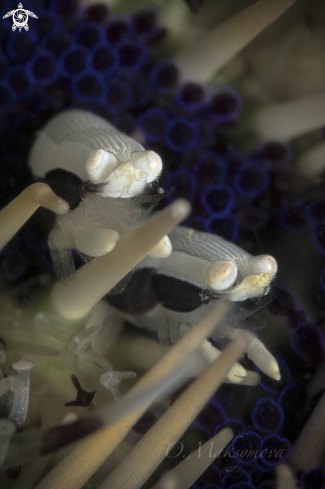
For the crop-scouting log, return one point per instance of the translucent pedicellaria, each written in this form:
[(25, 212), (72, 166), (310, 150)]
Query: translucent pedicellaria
[(21, 386)]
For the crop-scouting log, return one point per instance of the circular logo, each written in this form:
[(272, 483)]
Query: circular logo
[(20, 18)]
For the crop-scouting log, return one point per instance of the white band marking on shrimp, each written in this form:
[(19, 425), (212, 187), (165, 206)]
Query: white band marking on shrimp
[(204, 245), (183, 267)]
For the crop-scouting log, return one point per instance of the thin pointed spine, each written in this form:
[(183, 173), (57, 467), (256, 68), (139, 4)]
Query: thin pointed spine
[(308, 449), (252, 378), (210, 53), (291, 119), (28, 445), (32, 471), (189, 470), (149, 452), (75, 298), (312, 163), (15, 214), (81, 463), (285, 477), (163, 249)]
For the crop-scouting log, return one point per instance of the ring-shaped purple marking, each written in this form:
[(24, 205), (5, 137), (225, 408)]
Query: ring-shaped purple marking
[(132, 56), (104, 58), (89, 34), (186, 188), (19, 80), (273, 154), (164, 76), (294, 218), (225, 105), (251, 179), (91, 93), (7, 95), (119, 29), (218, 199), (117, 95), (190, 96), (42, 69), (152, 124), (74, 61), (226, 227), (181, 134)]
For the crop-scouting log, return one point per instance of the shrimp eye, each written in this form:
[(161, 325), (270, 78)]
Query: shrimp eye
[(66, 185), (100, 164), (221, 274), (263, 264), (148, 162)]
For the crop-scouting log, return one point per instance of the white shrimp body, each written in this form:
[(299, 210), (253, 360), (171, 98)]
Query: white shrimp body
[(93, 149), (210, 262), (182, 288), (167, 295), (99, 171)]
